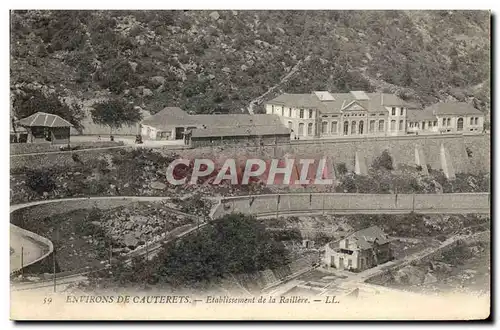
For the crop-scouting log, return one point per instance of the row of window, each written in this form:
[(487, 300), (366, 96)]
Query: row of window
[(355, 127), (401, 111), (430, 124), (474, 120), (355, 115), (301, 132), (301, 112), (400, 127)]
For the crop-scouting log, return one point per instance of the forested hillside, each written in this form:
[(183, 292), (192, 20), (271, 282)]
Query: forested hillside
[(220, 61)]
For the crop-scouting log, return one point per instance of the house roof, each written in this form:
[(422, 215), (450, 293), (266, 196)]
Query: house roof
[(238, 125), (453, 108), (366, 237), (45, 120), (420, 115), (169, 117)]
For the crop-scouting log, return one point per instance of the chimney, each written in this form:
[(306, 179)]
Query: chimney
[(381, 98)]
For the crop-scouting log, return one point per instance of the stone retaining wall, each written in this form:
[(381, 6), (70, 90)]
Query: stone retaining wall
[(267, 205)]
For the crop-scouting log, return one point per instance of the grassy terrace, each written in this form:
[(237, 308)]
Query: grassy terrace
[(29, 148)]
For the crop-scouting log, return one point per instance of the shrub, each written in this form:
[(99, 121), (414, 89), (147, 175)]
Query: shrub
[(341, 168), (41, 181)]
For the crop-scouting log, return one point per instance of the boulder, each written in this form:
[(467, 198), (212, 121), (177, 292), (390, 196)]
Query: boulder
[(157, 80), (158, 185), (147, 92), (429, 278), (410, 275), (130, 241), (138, 219), (133, 66), (214, 15)]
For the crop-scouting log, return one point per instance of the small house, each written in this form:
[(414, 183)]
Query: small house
[(360, 250)]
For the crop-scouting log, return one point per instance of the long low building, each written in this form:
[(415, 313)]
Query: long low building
[(173, 123), (445, 117)]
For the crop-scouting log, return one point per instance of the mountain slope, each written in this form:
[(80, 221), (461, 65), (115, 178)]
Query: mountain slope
[(220, 61)]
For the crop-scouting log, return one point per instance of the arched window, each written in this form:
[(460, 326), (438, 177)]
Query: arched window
[(460, 124), (301, 129), (324, 127), (361, 124), (353, 127), (346, 127), (381, 125), (290, 124), (310, 129)]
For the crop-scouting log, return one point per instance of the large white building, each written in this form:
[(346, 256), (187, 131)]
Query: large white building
[(322, 114)]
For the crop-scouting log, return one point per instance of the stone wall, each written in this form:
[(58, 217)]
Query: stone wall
[(45, 262), (304, 203), (401, 148)]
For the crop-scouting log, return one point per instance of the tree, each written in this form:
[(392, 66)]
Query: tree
[(115, 113), (235, 243), (406, 78), (29, 101), (384, 161)]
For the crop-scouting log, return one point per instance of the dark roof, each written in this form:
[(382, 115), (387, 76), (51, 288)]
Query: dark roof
[(453, 108), (169, 117), (218, 125), (239, 125), (420, 115), (45, 120), (364, 238)]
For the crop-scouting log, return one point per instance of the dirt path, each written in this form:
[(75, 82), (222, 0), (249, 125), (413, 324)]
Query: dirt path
[(260, 99)]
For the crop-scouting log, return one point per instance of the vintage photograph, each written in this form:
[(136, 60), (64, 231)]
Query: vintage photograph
[(250, 165)]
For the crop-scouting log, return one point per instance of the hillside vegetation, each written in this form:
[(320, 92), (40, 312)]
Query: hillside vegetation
[(220, 61)]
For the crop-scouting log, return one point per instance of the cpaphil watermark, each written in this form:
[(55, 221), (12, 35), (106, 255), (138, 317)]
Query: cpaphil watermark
[(236, 172)]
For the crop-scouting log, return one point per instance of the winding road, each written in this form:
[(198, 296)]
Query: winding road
[(36, 247)]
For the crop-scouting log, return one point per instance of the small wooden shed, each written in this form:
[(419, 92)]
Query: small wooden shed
[(46, 127)]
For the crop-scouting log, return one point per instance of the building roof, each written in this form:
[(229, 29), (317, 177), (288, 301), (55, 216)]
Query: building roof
[(217, 125), (334, 103), (240, 131), (239, 125), (420, 115), (45, 120), (298, 100), (453, 108), (365, 238), (324, 95), (169, 117)]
